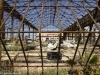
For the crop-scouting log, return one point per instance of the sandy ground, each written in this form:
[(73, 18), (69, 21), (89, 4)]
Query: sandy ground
[(34, 58)]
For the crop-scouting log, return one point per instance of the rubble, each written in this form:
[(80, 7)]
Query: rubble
[(69, 44)]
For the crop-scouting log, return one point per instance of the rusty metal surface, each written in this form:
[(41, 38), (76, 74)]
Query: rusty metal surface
[(1, 37), (21, 24), (40, 36)]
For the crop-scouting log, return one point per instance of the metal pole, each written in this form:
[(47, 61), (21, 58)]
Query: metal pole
[(23, 31), (21, 24), (33, 35), (72, 36), (29, 30), (1, 18), (64, 36), (12, 29)]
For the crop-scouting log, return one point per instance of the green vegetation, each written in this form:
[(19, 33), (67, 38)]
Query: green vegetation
[(17, 48), (46, 72), (92, 68), (89, 69)]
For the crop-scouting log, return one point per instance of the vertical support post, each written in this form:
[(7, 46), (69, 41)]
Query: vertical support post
[(12, 29), (68, 36), (90, 36), (23, 31), (1, 19), (64, 36), (29, 33), (7, 32), (72, 36), (94, 39), (2, 29), (33, 34), (84, 37), (1, 34)]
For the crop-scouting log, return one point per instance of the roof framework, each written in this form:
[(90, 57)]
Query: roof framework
[(50, 16)]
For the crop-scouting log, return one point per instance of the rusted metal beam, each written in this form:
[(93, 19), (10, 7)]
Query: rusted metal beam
[(60, 34), (23, 31), (12, 28), (1, 18), (29, 30), (40, 36), (39, 6), (64, 65), (64, 36), (50, 32), (1, 25), (80, 29), (21, 24)]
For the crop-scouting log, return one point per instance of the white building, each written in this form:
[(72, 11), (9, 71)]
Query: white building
[(48, 36)]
